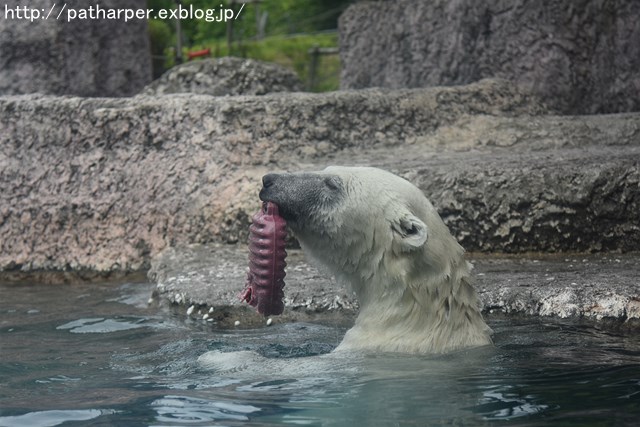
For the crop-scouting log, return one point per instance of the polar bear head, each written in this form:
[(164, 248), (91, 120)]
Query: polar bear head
[(380, 235)]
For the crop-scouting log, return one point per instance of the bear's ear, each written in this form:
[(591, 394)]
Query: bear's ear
[(409, 231)]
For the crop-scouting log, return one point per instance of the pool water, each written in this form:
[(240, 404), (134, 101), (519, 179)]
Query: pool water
[(98, 355)]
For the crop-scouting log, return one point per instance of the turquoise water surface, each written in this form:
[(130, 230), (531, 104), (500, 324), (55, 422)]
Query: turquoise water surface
[(97, 355)]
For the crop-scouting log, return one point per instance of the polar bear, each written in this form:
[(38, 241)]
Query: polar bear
[(380, 235)]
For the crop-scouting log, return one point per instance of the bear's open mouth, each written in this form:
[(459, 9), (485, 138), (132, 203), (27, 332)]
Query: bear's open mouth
[(285, 213)]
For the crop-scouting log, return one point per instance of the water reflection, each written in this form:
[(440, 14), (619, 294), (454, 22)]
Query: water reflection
[(100, 325), (51, 418), (189, 409)]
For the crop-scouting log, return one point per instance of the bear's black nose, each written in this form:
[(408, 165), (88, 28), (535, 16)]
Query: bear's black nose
[(269, 179)]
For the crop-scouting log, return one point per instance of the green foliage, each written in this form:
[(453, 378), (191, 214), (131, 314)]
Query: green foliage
[(298, 16), (292, 52), (160, 35), (161, 38), (282, 19)]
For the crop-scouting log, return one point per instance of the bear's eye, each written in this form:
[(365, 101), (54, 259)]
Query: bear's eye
[(332, 183)]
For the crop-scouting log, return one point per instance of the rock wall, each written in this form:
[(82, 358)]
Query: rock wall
[(90, 57), (579, 56), (106, 184)]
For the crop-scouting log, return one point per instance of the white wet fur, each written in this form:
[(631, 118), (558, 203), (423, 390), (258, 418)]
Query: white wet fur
[(387, 242)]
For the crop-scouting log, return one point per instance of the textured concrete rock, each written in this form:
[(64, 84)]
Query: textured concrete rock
[(546, 183), (85, 57), (210, 278), (106, 184), (225, 76), (550, 201), (551, 183), (598, 287), (213, 276), (580, 57)]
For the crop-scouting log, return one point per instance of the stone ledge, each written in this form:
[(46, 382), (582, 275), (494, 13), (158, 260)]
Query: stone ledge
[(598, 287)]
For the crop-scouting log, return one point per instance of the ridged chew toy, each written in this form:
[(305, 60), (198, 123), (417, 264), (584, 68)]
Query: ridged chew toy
[(265, 279)]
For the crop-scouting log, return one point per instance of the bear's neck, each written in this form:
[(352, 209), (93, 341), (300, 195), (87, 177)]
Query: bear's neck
[(434, 310), (419, 302)]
